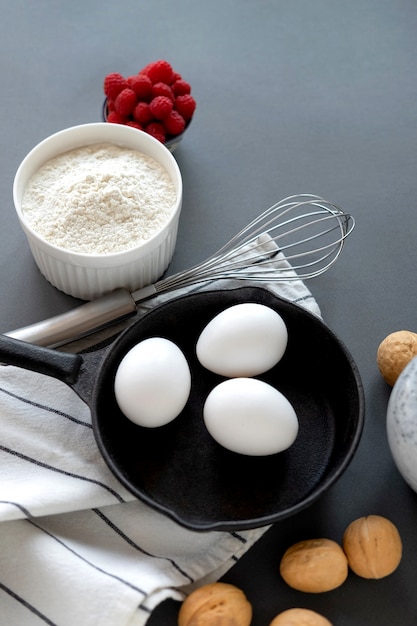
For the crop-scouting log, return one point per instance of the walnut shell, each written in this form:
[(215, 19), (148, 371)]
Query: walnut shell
[(314, 565), (216, 603), (300, 617), (373, 546), (394, 353)]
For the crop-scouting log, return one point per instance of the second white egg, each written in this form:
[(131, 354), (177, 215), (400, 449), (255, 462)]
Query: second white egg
[(243, 340)]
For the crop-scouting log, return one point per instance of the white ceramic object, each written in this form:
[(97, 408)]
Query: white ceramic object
[(88, 276), (402, 423)]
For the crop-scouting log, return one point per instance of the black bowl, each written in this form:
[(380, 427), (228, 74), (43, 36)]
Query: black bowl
[(182, 472)]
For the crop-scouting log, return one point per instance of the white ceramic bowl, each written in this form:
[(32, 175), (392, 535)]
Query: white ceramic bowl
[(88, 276), (402, 423)]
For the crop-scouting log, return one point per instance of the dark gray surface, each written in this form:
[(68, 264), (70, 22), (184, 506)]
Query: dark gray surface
[(293, 96)]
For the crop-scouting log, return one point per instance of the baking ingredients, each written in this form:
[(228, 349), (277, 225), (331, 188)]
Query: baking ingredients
[(300, 617), (394, 353), (373, 546), (152, 382), (249, 416), (99, 199), (314, 565), (243, 340), (216, 603), (157, 100)]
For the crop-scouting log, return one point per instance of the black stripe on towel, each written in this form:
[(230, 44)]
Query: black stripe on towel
[(238, 536), (24, 457), (26, 604), (145, 609), (86, 561), (303, 298), (25, 511), (44, 407), (137, 547)]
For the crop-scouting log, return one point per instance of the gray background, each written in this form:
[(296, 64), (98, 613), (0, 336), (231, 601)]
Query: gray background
[(294, 96)]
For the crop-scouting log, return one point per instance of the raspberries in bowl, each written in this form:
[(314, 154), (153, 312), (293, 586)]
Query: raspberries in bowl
[(156, 100)]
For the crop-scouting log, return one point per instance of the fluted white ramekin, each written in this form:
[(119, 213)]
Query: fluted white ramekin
[(89, 276)]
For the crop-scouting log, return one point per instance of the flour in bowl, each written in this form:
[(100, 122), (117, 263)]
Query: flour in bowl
[(99, 199)]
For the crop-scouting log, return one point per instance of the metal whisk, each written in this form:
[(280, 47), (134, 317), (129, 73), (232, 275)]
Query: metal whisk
[(298, 238), (308, 230)]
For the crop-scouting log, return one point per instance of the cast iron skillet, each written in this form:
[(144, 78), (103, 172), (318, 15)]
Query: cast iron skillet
[(178, 469)]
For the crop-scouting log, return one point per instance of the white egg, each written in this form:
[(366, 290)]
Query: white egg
[(249, 416), (243, 340), (153, 382)]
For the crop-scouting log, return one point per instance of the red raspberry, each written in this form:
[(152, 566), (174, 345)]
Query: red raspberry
[(113, 84), (142, 113), (141, 85), (181, 87), (162, 89), (134, 125), (115, 118), (125, 102), (145, 69), (157, 130), (161, 107), (156, 100), (159, 72), (185, 105), (174, 123)]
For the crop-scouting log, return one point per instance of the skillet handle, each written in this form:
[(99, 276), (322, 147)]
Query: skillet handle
[(63, 366)]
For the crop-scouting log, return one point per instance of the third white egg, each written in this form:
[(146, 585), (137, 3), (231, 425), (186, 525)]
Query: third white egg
[(249, 416), (243, 340)]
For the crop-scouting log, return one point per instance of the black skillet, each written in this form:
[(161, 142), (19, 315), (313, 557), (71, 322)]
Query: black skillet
[(179, 469)]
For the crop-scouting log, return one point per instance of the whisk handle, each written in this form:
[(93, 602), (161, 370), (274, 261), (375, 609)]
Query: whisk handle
[(78, 322)]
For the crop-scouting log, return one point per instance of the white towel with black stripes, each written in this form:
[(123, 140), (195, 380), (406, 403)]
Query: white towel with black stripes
[(76, 548)]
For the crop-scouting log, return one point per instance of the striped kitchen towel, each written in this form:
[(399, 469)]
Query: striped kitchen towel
[(75, 547)]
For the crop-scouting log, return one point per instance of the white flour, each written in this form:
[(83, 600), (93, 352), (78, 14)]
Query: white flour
[(99, 199)]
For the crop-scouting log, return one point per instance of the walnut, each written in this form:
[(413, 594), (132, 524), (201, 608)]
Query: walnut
[(300, 617), (314, 565), (216, 603), (373, 546), (394, 353)]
